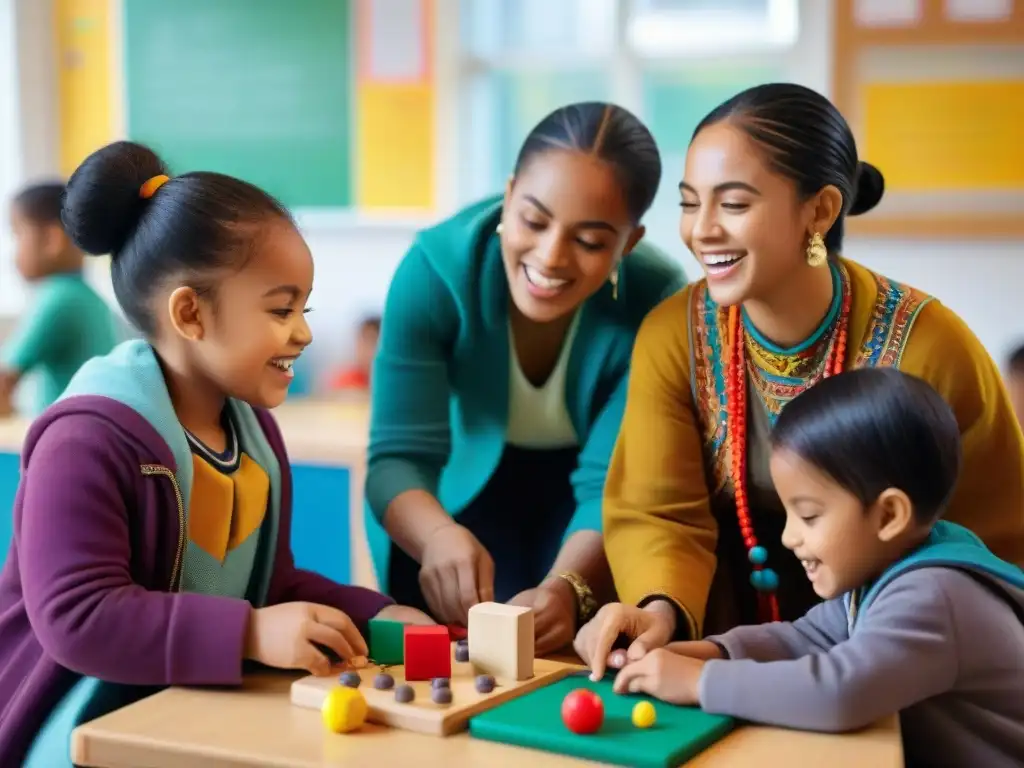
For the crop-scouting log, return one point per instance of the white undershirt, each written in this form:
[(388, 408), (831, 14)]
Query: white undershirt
[(538, 416)]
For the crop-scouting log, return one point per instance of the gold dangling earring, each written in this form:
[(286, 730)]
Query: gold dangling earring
[(817, 253), (613, 278)]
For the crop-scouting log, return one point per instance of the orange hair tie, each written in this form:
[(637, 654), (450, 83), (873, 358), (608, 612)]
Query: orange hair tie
[(149, 188)]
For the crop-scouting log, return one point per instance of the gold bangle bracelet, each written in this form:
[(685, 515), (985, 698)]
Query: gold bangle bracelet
[(586, 604)]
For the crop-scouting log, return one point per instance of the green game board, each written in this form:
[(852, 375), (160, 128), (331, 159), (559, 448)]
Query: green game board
[(535, 720)]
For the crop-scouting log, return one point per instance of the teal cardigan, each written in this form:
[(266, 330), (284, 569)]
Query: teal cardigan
[(440, 380)]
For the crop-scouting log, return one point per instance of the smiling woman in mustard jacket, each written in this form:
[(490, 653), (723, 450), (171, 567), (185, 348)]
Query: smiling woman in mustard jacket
[(500, 379)]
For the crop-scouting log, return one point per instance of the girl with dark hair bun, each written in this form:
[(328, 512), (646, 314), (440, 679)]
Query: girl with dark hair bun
[(500, 378), (152, 523), (692, 519)]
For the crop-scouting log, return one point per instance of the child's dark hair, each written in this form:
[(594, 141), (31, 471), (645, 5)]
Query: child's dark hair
[(807, 140), (370, 323), (41, 203), (191, 227), (1016, 360), (876, 428), (610, 133)]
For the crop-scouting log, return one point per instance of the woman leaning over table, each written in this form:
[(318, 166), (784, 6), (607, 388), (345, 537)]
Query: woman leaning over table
[(500, 378), (692, 522)]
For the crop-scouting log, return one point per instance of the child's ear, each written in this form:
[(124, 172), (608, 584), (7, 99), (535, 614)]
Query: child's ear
[(185, 309), (894, 514)]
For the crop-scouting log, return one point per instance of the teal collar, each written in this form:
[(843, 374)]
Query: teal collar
[(819, 332), (131, 374)]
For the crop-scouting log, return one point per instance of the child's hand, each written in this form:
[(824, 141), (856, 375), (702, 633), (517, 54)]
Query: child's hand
[(286, 636), (696, 649), (405, 615), (664, 675)]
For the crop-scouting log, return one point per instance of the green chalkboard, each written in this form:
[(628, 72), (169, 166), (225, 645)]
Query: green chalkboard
[(259, 89)]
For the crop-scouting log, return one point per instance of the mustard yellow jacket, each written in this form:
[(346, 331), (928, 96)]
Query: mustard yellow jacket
[(660, 532)]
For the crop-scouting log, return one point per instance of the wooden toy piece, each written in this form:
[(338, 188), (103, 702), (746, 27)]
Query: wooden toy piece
[(405, 694), (457, 632), (484, 683), (644, 715), (387, 640), (350, 679), (441, 695), (582, 711), (344, 709), (533, 720), (428, 652), (411, 706), (501, 640)]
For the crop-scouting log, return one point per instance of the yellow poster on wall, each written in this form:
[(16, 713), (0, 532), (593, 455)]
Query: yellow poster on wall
[(84, 78), (946, 136), (395, 100)]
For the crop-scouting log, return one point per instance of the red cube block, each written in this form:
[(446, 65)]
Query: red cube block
[(428, 652)]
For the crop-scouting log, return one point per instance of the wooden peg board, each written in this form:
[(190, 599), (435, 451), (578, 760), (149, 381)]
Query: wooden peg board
[(422, 715), (933, 99)]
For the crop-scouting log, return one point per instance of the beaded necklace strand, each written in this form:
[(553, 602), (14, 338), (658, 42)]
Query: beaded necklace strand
[(763, 579)]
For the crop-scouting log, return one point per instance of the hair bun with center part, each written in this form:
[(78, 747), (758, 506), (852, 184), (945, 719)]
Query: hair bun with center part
[(103, 204)]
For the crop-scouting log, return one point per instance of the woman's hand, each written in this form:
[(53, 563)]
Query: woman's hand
[(664, 675), (649, 627), (456, 573), (404, 614), (554, 614)]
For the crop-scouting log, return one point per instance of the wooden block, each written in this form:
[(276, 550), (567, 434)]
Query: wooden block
[(428, 652), (387, 641), (423, 715), (501, 640)]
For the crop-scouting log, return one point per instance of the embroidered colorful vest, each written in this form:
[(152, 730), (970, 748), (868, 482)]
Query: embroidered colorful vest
[(896, 308)]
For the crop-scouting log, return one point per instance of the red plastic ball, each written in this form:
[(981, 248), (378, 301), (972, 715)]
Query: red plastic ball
[(582, 711)]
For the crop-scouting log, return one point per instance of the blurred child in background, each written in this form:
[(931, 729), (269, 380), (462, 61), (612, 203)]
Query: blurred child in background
[(66, 322), (357, 375)]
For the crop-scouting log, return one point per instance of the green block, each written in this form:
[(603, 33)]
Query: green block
[(387, 642)]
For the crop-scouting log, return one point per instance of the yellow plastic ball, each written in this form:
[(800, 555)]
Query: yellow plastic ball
[(644, 714), (344, 709)]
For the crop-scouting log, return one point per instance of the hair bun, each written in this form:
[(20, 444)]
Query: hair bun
[(870, 188), (102, 205)]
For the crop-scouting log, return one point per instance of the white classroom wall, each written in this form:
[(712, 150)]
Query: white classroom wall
[(356, 257)]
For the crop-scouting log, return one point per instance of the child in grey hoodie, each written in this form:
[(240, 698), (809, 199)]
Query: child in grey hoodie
[(919, 617)]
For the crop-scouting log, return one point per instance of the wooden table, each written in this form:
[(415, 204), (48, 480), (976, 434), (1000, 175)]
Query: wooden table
[(258, 726)]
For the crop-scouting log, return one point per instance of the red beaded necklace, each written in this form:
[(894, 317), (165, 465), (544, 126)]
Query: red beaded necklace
[(764, 579)]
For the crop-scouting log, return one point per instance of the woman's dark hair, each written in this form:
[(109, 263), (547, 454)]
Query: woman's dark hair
[(188, 229), (606, 131), (41, 203), (807, 140), (876, 428)]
